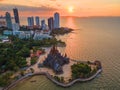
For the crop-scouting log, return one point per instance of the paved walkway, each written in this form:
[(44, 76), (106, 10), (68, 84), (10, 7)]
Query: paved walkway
[(53, 80), (39, 72), (72, 82)]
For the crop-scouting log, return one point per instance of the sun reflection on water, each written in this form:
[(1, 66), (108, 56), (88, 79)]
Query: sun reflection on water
[(70, 22)]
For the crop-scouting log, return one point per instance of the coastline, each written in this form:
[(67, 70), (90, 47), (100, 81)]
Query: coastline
[(48, 73), (49, 76), (53, 80)]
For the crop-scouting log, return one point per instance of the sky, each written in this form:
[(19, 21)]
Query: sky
[(80, 8)]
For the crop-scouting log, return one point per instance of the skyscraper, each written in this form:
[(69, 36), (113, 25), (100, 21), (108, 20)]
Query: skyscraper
[(56, 20), (37, 20), (30, 21), (16, 15), (43, 25), (51, 23), (15, 26), (8, 20)]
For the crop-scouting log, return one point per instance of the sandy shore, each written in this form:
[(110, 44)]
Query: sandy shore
[(66, 68), (67, 71)]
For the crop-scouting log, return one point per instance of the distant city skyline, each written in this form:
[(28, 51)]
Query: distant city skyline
[(77, 8)]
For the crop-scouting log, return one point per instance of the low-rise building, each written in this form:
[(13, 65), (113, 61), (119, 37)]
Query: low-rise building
[(7, 32), (16, 32), (25, 35), (4, 39), (39, 35)]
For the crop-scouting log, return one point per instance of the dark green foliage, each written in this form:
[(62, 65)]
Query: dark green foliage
[(59, 79), (5, 79), (24, 52), (61, 31), (62, 79), (22, 73), (80, 70), (33, 60), (13, 55), (32, 70)]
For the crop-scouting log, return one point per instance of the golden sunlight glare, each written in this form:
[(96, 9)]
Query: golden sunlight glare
[(70, 9)]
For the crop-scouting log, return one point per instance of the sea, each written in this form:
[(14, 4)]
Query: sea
[(93, 38)]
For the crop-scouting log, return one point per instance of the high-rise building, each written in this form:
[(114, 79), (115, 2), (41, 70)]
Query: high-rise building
[(51, 23), (37, 20), (56, 20), (15, 26), (8, 20), (30, 21), (43, 25), (16, 15)]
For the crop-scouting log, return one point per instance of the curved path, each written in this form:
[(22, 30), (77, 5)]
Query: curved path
[(38, 72), (72, 82), (53, 80)]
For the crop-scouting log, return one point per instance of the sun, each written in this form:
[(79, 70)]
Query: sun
[(70, 9)]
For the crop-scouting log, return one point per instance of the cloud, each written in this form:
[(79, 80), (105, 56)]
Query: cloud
[(7, 7)]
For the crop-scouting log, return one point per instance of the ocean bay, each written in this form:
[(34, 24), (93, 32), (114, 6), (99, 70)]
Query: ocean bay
[(93, 39)]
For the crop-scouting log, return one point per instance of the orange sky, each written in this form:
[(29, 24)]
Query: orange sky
[(81, 8)]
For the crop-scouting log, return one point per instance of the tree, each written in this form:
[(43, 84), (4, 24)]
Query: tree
[(32, 70), (80, 70), (24, 52), (5, 79), (22, 73), (62, 79)]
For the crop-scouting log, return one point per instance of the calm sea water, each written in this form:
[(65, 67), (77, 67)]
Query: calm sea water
[(92, 39)]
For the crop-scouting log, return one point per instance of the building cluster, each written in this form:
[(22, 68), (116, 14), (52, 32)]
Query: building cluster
[(53, 22), (36, 28), (55, 60), (14, 26)]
